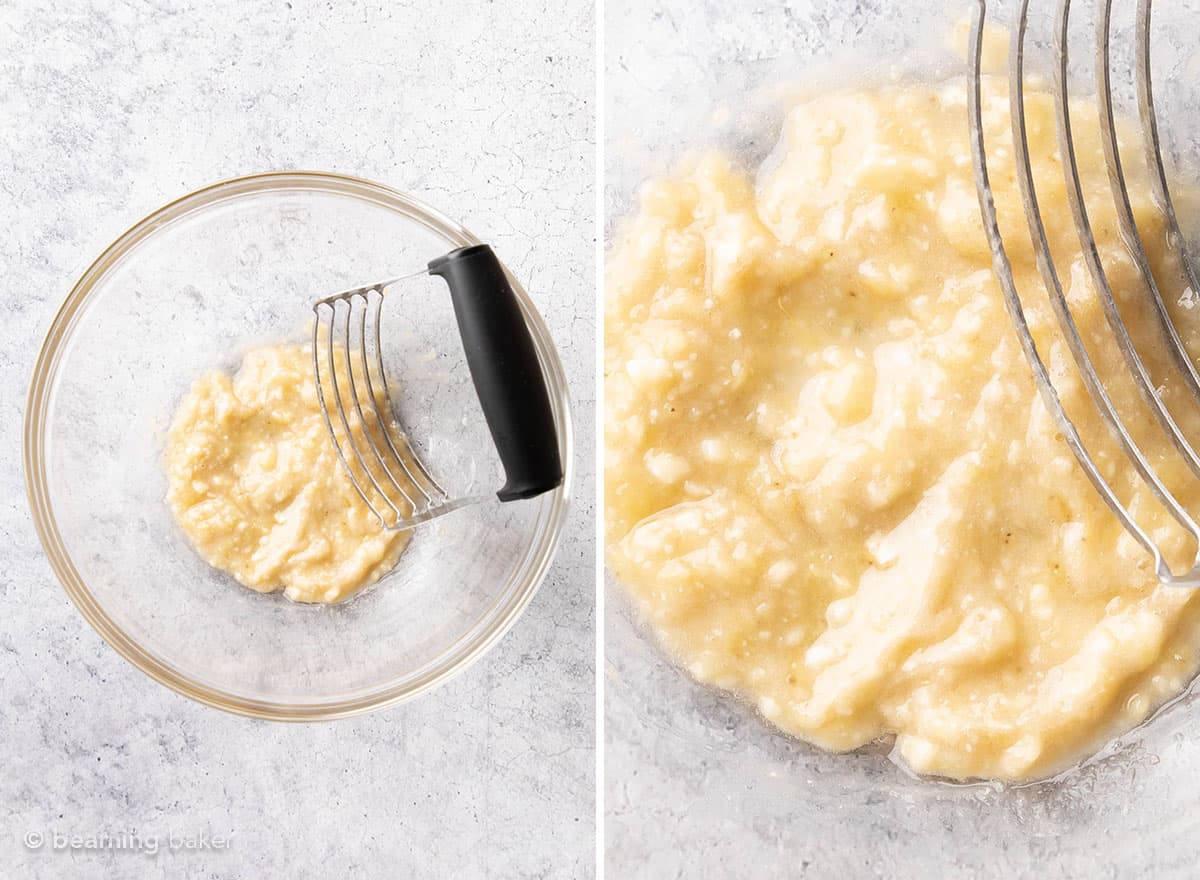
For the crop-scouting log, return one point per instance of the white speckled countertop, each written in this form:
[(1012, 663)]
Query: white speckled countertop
[(110, 109), (690, 766)]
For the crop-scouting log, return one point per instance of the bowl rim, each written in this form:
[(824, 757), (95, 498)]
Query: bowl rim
[(487, 630)]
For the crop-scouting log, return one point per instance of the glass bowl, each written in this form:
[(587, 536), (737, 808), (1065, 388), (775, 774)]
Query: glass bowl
[(190, 288)]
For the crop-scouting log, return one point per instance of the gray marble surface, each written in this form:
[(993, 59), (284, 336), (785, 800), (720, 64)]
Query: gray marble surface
[(696, 784), (109, 109)]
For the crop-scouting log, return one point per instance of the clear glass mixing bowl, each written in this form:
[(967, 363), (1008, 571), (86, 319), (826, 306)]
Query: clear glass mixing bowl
[(190, 288), (699, 767)]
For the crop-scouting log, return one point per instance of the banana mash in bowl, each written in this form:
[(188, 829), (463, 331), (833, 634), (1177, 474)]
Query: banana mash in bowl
[(831, 486), (255, 483), (175, 450)]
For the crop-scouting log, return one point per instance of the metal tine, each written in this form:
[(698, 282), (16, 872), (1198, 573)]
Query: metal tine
[(341, 410), (1129, 231), (1153, 145), (431, 497), (362, 421), (332, 377), (418, 506), (1045, 261), (1091, 253), (431, 487), (1012, 301)]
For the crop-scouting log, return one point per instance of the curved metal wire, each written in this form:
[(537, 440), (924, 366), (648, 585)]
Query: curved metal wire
[(424, 481), (1153, 145), (1003, 271), (1129, 231), (396, 488), (320, 385), (1087, 239)]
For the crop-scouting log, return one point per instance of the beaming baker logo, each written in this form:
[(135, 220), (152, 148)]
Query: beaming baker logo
[(126, 841)]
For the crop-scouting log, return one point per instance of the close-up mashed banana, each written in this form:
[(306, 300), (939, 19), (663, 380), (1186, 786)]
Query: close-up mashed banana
[(831, 484)]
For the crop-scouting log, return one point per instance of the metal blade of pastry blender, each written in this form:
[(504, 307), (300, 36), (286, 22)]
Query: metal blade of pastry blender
[(1143, 465), (368, 434)]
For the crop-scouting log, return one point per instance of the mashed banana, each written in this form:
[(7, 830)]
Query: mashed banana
[(831, 485), (256, 485)]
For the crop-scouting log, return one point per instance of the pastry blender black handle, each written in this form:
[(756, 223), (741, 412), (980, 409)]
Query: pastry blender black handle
[(505, 369)]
